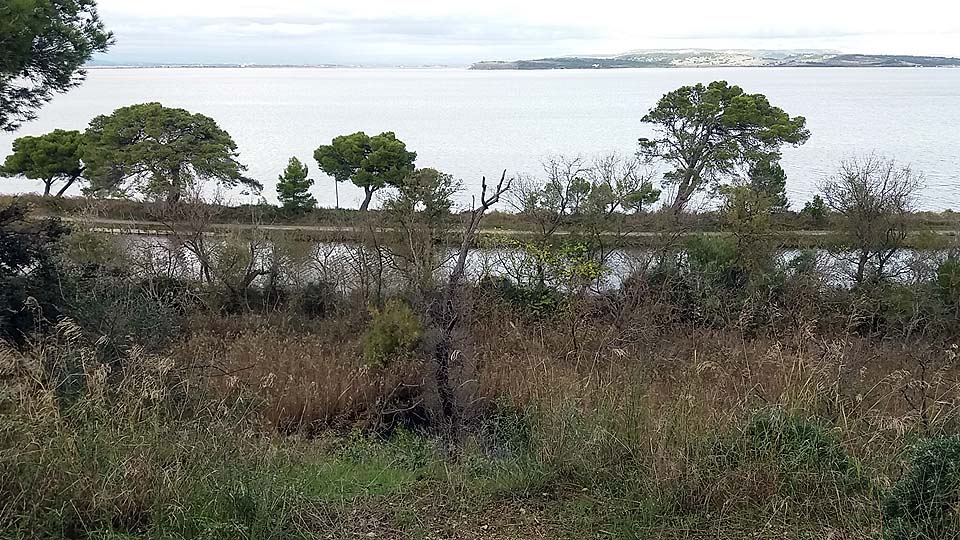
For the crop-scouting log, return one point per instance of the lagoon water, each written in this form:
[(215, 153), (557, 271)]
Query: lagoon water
[(473, 123)]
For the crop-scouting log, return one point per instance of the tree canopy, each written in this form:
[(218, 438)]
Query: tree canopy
[(709, 133), (371, 163), (770, 180), (159, 151), (293, 187), (52, 158), (43, 46)]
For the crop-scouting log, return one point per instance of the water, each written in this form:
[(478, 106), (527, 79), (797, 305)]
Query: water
[(473, 123)]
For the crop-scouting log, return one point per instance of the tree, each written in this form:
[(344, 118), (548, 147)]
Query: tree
[(815, 210), (707, 133), (768, 179), (745, 213), (43, 46), (620, 184), (29, 280), (293, 187), (371, 163), (447, 313), (159, 151), (873, 196), (551, 201), (52, 158), (419, 216)]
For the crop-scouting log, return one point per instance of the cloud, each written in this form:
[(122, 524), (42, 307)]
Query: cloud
[(296, 31)]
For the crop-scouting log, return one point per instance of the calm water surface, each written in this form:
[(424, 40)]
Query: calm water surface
[(473, 123)]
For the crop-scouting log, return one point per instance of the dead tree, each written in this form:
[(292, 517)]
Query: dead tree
[(446, 314)]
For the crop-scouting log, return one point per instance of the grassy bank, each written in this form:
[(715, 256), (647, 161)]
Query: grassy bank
[(263, 428)]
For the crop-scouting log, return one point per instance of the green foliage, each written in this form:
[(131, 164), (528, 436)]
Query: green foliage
[(318, 299), (121, 314), (94, 251), (706, 132), (160, 152), (535, 299), (715, 259), (29, 276), (808, 456), (642, 198), (746, 214), (425, 191), (619, 184), (775, 458), (371, 163), (293, 187), (50, 158), (43, 47), (948, 281), (418, 214), (769, 180), (925, 502), (394, 333), (815, 210)]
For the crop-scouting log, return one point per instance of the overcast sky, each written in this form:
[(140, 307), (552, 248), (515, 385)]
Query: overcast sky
[(414, 32)]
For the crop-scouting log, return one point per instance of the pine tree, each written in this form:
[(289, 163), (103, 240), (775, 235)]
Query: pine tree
[(293, 188)]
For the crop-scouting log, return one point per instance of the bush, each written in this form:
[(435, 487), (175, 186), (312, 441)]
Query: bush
[(29, 276), (538, 300), (395, 332), (924, 504), (776, 458), (122, 314), (807, 455), (318, 299), (948, 280)]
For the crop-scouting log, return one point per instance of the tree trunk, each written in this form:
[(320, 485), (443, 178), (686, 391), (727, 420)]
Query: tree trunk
[(46, 187), (685, 190), (862, 266), (67, 186), (368, 196), (441, 360)]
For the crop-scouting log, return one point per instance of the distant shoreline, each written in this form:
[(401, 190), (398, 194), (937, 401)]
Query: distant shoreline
[(268, 66), (720, 59)]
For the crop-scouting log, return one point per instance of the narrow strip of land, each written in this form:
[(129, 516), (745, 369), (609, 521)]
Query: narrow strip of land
[(790, 238)]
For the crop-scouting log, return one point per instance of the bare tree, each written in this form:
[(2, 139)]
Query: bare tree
[(189, 222), (560, 194), (874, 197), (446, 313)]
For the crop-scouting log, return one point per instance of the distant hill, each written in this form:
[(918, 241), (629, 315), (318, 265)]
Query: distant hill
[(723, 58)]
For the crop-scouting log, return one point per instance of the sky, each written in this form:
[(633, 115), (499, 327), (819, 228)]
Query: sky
[(455, 32)]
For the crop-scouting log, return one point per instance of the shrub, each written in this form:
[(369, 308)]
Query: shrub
[(395, 332), (805, 452), (924, 504), (318, 299), (948, 280), (29, 276), (123, 313), (775, 458), (538, 300), (504, 431)]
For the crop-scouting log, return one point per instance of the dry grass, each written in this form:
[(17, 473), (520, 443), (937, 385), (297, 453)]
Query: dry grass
[(643, 433)]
